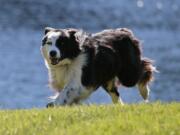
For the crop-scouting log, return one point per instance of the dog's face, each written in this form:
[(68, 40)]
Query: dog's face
[(59, 44)]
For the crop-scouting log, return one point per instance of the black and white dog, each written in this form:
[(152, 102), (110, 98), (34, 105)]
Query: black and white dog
[(79, 63)]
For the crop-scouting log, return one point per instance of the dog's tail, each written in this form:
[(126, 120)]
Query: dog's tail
[(147, 70)]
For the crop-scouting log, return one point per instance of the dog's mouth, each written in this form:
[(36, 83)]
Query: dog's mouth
[(54, 61)]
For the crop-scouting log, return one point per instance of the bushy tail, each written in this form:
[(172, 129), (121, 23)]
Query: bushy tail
[(147, 70)]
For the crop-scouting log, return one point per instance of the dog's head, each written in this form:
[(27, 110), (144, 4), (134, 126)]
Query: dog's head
[(59, 44)]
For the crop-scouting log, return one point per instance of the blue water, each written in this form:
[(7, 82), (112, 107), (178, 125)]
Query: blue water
[(23, 77)]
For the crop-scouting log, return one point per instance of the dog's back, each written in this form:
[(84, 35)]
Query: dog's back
[(128, 54)]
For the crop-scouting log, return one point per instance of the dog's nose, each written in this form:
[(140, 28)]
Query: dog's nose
[(53, 53)]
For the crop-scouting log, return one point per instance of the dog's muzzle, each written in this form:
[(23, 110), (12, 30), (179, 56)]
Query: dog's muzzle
[(54, 61), (53, 57)]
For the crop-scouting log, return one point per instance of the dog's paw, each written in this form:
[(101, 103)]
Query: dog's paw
[(50, 105)]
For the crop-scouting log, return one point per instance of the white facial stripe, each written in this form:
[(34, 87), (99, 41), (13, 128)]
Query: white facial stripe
[(52, 37)]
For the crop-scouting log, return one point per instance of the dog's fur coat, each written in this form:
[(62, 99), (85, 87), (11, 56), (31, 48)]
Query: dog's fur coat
[(79, 63)]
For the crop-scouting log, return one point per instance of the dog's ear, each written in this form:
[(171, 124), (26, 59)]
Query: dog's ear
[(47, 29), (72, 33), (77, 35)]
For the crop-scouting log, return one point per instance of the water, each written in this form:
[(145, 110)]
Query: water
[(23, 78)]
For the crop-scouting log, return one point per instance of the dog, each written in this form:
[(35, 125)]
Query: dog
[(78, 63)]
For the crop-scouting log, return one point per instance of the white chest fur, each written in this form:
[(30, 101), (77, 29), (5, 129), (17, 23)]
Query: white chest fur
[(61, 75), (58, 77)]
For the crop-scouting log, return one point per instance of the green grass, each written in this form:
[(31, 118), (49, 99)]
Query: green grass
[(136, 119)]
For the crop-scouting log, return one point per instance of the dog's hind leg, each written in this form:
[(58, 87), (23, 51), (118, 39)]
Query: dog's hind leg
[(112, 90)]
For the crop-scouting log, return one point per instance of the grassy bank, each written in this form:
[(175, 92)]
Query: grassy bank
[(137, 119)]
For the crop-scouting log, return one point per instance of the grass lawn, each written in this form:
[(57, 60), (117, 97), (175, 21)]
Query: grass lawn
[(135, 119)]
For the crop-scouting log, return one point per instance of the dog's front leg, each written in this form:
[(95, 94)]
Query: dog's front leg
[(72, 93)]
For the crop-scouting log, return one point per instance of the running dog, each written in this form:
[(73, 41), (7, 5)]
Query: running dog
[(78, 63)]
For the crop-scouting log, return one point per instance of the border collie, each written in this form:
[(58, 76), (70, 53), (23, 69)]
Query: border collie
[(78, 63)]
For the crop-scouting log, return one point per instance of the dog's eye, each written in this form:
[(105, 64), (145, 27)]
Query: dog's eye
[(49, 43)]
